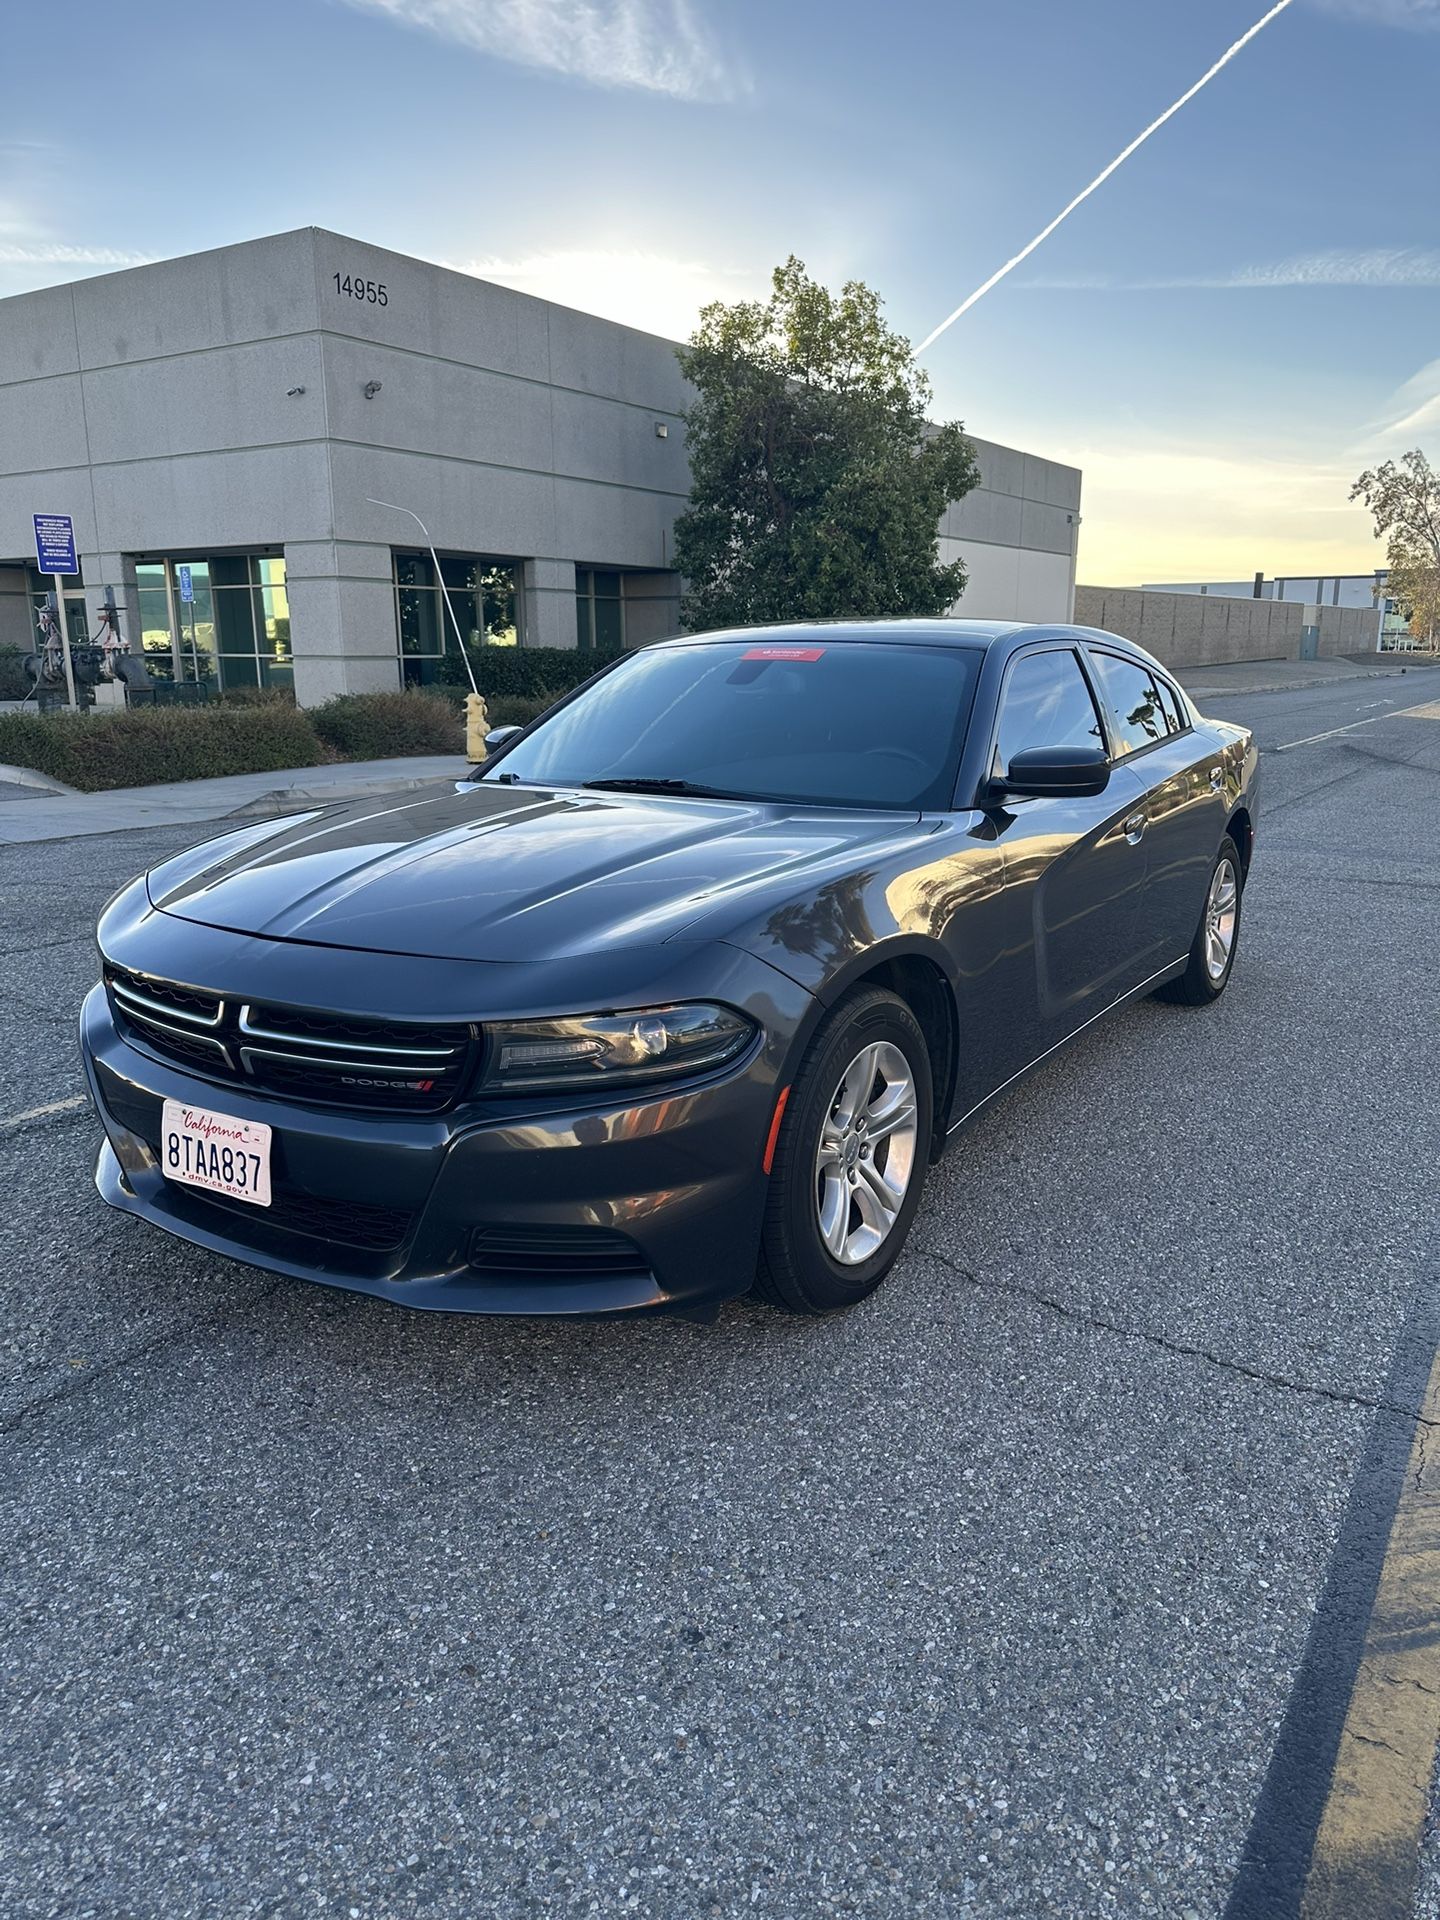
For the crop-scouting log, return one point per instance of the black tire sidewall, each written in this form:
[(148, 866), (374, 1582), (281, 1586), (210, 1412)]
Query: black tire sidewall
[(802, 1270)]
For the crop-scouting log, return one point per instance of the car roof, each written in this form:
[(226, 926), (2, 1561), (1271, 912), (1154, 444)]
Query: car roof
[(942, 631)]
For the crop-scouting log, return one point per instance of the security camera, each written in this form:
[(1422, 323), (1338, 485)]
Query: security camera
[(290, 392), (370, 389)]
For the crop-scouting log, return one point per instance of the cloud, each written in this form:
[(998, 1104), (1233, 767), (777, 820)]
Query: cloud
[(646, 290), (1412, 410), (50, 253), (1420, 15), (657, 46), (1334, 267)]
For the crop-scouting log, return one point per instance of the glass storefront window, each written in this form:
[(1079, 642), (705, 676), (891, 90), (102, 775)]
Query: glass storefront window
[(599, 608), (236, 629), (483, 597)]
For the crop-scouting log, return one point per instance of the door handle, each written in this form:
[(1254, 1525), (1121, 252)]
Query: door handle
[(1134, 827)]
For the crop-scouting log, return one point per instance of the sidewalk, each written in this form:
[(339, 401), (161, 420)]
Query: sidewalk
[(45, 811), (1275, 676)]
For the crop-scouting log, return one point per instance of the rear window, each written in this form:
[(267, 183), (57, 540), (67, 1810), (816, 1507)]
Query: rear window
[(818, 720), (1140, 714)]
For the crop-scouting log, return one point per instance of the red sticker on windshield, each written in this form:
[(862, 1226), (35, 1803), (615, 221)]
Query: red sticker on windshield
[(783, 653)]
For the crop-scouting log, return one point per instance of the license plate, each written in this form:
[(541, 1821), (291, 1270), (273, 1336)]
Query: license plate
[(216, 1151)]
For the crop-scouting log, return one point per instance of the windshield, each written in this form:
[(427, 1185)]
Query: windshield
[(828, 722)]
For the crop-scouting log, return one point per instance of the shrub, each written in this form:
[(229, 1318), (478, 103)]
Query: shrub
[(519, 709), (14, 680), (153, 744), (526, 671), (377, 726)]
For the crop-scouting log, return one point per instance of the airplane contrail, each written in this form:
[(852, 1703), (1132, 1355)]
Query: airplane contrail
[(1100, 178)]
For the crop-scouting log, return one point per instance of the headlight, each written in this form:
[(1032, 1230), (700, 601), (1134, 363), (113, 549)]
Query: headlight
[(605, 1049)]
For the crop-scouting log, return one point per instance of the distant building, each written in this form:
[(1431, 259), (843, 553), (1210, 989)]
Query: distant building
[(1314, 590)]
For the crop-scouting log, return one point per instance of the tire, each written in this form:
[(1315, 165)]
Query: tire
[(798, 1271), (1204, 981)]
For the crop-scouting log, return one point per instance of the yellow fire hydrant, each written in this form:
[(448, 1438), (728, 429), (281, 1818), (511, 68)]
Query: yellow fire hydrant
[(477, 725)]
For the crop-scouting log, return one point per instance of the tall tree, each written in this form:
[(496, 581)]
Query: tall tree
[(817, 481), (1404, 498)]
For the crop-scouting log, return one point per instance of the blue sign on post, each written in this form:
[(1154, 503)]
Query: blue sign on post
[(187, 585), (55, 543)]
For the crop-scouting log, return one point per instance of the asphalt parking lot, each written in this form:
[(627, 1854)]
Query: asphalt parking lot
[(994, 1597)]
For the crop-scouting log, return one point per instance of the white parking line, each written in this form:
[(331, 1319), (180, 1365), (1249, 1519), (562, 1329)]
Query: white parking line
[(1311, 738), (39, 1113)]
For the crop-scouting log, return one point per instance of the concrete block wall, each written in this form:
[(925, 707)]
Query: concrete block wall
[(1212, 629), (1195, 630)]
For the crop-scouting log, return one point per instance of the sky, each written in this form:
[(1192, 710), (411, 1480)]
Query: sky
[(1234, 325)]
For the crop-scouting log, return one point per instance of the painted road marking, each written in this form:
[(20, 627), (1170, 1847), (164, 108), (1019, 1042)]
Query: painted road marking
[(1329, 1839), (39, 1113), (1430, 711), (1367, 1850)]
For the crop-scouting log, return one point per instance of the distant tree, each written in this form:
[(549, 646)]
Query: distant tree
[(1404, 498), (817, 481)]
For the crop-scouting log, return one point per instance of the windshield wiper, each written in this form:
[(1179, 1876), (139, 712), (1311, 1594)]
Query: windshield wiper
[(653, 783)]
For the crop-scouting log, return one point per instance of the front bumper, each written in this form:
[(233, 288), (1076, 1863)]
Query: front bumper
[(677, 1174)]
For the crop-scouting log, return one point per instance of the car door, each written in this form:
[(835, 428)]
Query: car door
[(1074, 867), (1182, 806)]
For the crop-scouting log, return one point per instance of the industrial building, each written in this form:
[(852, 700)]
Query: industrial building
[(221, 428)]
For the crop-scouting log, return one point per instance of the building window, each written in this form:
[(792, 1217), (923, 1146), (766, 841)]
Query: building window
[(235, 629), (483, 598), (599, 609)]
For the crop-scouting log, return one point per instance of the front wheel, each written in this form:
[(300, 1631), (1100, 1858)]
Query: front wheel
[(850, 1159), (1212, 952)]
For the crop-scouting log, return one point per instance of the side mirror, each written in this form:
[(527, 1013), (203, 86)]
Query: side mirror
[(1056, 773), (497, 736)]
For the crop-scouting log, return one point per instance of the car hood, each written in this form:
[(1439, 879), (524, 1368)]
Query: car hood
[(499, 873)]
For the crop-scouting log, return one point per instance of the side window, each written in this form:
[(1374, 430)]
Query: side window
[(1135, 703), (1046, 703), (1175, 715)]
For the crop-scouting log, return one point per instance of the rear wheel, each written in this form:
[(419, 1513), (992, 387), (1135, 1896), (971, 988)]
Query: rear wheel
[(850, 1159), (1212, 952)]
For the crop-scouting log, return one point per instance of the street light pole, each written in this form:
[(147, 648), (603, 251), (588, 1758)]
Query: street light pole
[(459, 637)]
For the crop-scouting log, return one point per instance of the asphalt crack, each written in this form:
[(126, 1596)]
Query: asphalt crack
[(1179, 1348), (83, 1383)]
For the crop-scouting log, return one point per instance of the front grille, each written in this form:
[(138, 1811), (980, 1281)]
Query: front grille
[(545, 1253), (348, 1223), (386, 1065)]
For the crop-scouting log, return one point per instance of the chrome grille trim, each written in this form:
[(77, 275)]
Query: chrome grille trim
[(158, 1031), (143, 1007), (253, 1031)]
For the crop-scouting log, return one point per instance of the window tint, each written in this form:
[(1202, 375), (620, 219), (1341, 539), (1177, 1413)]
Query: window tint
[(812, 718), (1174, 706), (1135, 703), (1046, 703)]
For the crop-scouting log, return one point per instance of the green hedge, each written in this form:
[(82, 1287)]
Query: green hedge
[(525, 671), (375, 726), (148, 745), (14, 681)]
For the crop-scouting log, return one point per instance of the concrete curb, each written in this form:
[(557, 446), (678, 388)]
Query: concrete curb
[(27, 777), (1225, 692)]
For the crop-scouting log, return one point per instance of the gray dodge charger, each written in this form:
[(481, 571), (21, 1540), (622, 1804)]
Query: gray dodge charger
[(679, 995)]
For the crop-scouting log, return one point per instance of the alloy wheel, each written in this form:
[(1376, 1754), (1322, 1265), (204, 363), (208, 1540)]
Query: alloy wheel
[(1221, 909), (866, 1156)]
